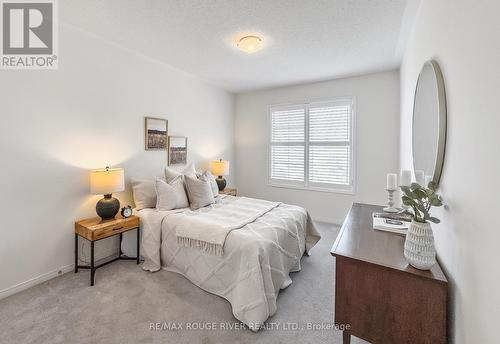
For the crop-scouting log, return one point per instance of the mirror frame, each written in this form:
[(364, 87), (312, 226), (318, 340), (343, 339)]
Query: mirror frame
[(442, 114)]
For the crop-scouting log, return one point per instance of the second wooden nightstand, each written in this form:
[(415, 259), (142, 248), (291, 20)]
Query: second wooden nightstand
[(228, 191), (95, 229)]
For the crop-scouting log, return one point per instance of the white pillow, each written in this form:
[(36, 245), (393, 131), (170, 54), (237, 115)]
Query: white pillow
[(171, 174), (208, 176), (180, 192), (165, 195), (199, 192), (144, 193), (170, 195)]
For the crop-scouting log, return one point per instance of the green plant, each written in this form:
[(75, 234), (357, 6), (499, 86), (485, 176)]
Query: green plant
[(421, 200)]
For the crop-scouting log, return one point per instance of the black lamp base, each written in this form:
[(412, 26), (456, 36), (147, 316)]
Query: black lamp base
[(221, 183), (108, 207)]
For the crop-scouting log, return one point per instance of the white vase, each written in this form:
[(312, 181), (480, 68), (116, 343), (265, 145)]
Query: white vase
[(419, 246)]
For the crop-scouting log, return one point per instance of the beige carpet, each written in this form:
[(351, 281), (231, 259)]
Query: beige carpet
[(117, 310)]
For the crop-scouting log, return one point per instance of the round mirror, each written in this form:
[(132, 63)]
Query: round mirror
[(429, 124)]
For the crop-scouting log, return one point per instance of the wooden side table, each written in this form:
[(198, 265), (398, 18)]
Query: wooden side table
[(95, 229), (228, 191)]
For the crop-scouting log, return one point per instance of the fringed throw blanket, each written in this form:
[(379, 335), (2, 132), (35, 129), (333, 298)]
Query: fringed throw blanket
[(207, 230)]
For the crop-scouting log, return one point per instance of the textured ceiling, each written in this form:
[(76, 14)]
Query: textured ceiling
[(305, 40)]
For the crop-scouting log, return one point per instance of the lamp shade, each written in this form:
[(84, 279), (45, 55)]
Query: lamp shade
[(220, 167), (106, 181)]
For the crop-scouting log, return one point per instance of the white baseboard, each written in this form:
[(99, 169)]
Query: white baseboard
[(327, 220), (34, 281)]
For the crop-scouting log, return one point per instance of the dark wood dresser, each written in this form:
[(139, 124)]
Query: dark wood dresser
[(378, 295)]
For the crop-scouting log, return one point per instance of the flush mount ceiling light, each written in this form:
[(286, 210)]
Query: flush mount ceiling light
[(250, 44)]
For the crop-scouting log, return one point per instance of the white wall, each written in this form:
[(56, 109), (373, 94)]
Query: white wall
[(463, 36), (56, 125), (377, 115)]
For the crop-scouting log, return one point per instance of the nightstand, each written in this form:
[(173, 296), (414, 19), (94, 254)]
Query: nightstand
[(96, 229), (228, 191)]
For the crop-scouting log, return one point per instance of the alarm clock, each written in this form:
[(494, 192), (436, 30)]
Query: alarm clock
[(126, 211)]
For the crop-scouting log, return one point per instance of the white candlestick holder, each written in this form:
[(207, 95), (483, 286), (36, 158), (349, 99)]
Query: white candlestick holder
[(390, 202)]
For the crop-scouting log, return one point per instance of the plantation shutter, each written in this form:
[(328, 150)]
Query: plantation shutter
[(287, 151), (311, 146), (330, 144)]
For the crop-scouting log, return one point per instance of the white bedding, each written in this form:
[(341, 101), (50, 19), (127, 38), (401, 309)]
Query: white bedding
[(207, 230), (255, 265)]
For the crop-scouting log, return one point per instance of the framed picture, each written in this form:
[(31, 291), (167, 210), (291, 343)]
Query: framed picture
[(156, 133), (177, 150)]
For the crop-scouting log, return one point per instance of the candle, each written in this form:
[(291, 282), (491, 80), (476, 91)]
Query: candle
[(419, 177), (392, 181), (405, 179), (428, 179)]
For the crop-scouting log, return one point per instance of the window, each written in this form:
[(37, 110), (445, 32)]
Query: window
[(312, 146)]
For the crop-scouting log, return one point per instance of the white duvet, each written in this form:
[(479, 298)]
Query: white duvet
[(256, 263)]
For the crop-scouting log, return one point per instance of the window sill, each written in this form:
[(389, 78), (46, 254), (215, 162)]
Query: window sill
[(350, 191)]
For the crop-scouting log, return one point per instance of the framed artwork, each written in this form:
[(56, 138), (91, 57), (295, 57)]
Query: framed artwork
[(177, 150), (156, 133)]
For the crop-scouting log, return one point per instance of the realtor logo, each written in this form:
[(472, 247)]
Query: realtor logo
[(29, 34)]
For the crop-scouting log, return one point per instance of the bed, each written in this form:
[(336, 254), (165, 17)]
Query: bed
[(255, 264)]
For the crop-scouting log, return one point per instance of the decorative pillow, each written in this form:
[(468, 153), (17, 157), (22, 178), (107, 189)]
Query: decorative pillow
[(165, 195), (180, 193), (144, 193), (208, 176), (171, 174), (170, 195), (199, 192)]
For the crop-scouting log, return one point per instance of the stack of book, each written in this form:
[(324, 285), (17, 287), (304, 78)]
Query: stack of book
[(392, 222)]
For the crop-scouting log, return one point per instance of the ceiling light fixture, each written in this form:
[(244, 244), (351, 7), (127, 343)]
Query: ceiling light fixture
[(250, 44)]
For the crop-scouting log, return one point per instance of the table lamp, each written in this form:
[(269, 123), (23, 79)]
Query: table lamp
[(220, 168), (105, 182)]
